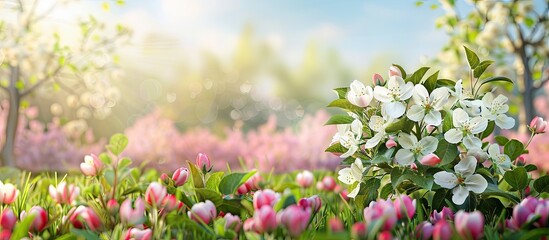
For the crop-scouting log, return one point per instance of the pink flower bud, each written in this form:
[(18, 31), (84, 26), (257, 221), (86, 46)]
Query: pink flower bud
[(155, 193), (91, 165), (8, 193), (305, 179), (265, 197), (314, 203), (203, 212), (382, 210), (180, 176), (335, 225), (344, 195), (444, 214), (132, 215), (521, 215), (358, 230), (8, 219), (391, 143), (5, 234), (413, 166), (430, 160), (40, 220), (232, 222), (329, 183), (405, 207), (84, 216), (385, 235), (265, 219), (64, 194), (253, 183), (538, 125), (394, 71), (430, 128), (138, 234), (113, 206), (203, 162), (378, 80), (542, 210), (171, 203), (424, 230), (165, 178), (242, 189), (442, 231), (470, 225), (249, 225), (295, 219)]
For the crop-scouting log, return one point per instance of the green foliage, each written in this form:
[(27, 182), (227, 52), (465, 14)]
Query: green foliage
[(117, 143), (517, 178), (230, 183)]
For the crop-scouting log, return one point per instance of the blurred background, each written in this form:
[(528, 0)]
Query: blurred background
[(243, 81)]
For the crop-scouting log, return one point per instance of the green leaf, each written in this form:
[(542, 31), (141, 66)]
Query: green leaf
[(181, 196), (197, 175), (517, 178), (496, 79), (541, 184), (417, 75), (285, 201), (446, 151), (341, 92), (493, 190), (534, 234), (117, 143), (472, 58), (21, 229), (445, 83), (204, 194), (398, 125), (501, 140), (529, 22), (368, 192), (214, 180), (105, 158), (230, 183), (336, 148), (383, 156), (233, 206), (386, 191), (481, 68), (124, 162), (85, 234), (340, 119), (513, 149), (425, 182), (447, 122), (431, 82), (531, 167), (344, 104), (438, 199), (402, 71), (489, 129)]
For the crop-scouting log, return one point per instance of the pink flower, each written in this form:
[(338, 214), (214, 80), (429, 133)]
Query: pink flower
[(132, 215), (391, 143), (328, 183), (430, 160), (444, 214), (538, 125), (335, 225), (394, 71), (543, 211), (138, 234), (442, 231), (232, 222), (64, 194), (314, 203), (8, 193), (180, 176), (156, 192), (358, 230), (385, 235), (424, 230), (253, 182), (8, 219), (295, 219), (113, 206), (378, 80), (265, 197), (5, 234), (203, 212), (91, 165), (344, 194), (265, 219), (203, 162), (249, 225), (470, 225), (305, 179), (382, 210), (405, 207), (84, 216), (40, 220), (242, 189)]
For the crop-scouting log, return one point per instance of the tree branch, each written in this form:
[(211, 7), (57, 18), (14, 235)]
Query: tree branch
[(41, 81)]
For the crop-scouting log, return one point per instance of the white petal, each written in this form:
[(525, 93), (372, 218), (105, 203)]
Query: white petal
[(372, 142), (356, 127), (376, 123), (471, 142), (488, 99), (440, 97), (466, 167), (479, 124), (382, 94), (350, 151), (344, 176), (459, 116), (433, 117), (406, 91), (453, 135), (476, 183), (505, 122), (407, 141), (445, 179), (342, 128), (404, 157), (460, 194), (395, 82), (357, 169), (394, 109), (493, 150), (353, 193), (420, 94), (429, 144), (415, 113)]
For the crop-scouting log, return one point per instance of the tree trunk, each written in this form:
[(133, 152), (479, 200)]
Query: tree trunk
[(8, 157), (529, 112)]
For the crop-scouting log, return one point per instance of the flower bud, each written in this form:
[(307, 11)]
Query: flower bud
[(378, 80), (470, 225), (155, 193), (138, 234), (394, 71), (391, 143), (203, 212), (385, 235), (64, 194), (132, 215), (165, 178), (242, 189), (171, 203), (249, 225), (113, 206), (203, 162), (430, 128), (180, 176), (382, 210), (430, 160), (358, 230), (295, 219), (335, 225), (265, 197), (232, 222), (344, 195), (84, 216), (424, 230), (305, 179), (329, 183), (40, 220), (444, 214), (91, 165), (538, 125), (405, 207), (442, 231), (314, 203), (265, 219), (8, 219), (8, 193)]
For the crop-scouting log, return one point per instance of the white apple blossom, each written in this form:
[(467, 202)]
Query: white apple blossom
[(463, 180), (465, 127), (501, 161), (495, 108), (393, 95), (466, 100), (412, 149), (349, 136), (427, 107), (352, 175), (359, 94), (378, 125)]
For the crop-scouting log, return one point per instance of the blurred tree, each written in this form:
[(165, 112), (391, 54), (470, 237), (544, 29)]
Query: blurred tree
[(38, 59), (514, 32)]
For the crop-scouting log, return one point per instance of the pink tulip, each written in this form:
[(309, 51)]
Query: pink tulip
[(265, 197), (530, 203), (328, 183), (242, 189), (344, 194), (358, 230), (64, 194), (335, 225), (253, 183), (40, 220), (430, 160), (538, 125), (203, 162), (445, 213), (171, 203), (442, 231), (314, 203), (424, 230), (249, 225), (8, 193), (265, 219), (391, 143), (295, 219), (180, 176), (8, 219), (469, 225), (543, 211), (91, 165), (382, 210), (138, 234), (203, 212), (232, 222), (405, 207), (385, 235), (5, 234), (84, 216), (305, 179), (156, 192), (165, 178), (132, 215), (378, 80), (394, 71), (113, 206)]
